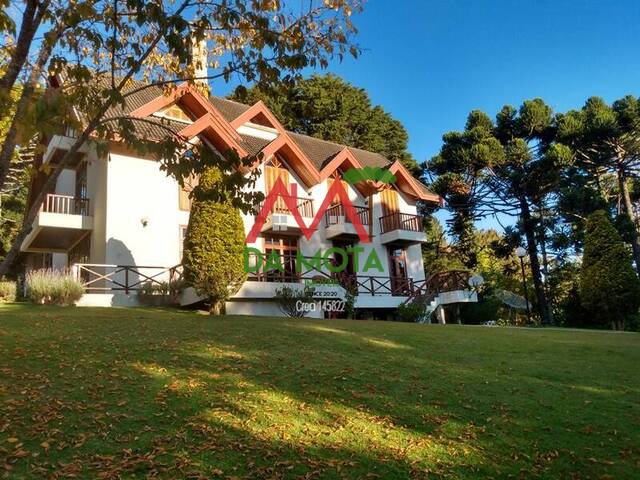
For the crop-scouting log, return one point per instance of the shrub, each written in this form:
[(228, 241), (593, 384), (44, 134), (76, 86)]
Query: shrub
[(153, 293), (213, 247), (7, 291), (414, 311), (609, 287), (53, 287), (287, 299)]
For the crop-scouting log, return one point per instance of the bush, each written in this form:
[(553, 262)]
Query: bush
[(214, 246), (7, 291), (488, 308), (414, 311), (287, 299), (153, 293), (53, 287), (609, 287)]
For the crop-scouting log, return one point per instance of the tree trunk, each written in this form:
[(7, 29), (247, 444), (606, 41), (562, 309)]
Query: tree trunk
[(31, 18), (215, 307), (528, 224), (65, 161), (628, 207), (10, 141)]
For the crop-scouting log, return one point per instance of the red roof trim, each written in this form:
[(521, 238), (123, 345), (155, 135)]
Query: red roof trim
[(398, 168), (256, 109)]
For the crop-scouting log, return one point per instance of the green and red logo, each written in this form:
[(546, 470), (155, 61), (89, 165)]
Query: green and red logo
[(279, 191)]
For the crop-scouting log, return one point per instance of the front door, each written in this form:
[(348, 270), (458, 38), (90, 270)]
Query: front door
[(398, 271)]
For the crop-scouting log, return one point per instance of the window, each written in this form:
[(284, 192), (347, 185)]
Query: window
[(285, 249), (183, 235), (81, 180), (80, 252)]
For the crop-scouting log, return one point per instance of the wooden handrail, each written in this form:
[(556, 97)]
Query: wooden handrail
[(305, 207), (65, 204), (126, 278), (400, 221), (333, 214)]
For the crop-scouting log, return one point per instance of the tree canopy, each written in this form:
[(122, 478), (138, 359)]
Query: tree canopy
[(510, 167), (609, 288), (99, 48)]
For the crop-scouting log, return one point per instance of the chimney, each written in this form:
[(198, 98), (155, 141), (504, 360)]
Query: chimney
[(199, 61)]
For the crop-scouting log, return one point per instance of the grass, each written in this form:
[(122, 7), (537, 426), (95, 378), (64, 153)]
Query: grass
[(137, 393)]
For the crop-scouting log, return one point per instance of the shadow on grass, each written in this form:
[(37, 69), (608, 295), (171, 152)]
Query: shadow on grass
[(152, 393)]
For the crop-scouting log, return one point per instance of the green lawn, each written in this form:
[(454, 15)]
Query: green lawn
[(114, 393)]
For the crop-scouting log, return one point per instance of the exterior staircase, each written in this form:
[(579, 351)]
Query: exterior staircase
[(443, 288)]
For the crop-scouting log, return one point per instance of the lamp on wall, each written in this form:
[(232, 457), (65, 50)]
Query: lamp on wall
[(144, 221)]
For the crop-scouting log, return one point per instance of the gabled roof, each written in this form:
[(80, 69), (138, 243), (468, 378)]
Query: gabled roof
[(219, 118)]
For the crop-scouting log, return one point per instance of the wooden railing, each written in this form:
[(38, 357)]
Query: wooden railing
[(400, 221), (360, 284), (337, 214), (65, 204), (99, 278), (440, 282), (305, 207)]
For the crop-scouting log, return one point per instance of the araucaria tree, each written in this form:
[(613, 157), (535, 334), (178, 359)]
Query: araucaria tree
[(96, 50), (507, 167), (213, 246), (609, 287), (606, 145)]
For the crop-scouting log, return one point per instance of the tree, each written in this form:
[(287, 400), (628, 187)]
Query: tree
[(100, 47), (214, 246), (606, 142), (328, 107), (437, 254), (507, 167), (13, 196), (609, 287)]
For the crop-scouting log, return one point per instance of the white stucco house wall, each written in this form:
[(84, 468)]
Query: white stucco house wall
[(118, 220)]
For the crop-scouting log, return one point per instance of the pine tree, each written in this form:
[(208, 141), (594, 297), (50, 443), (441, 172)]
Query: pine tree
[(213, 246), (609, 287)]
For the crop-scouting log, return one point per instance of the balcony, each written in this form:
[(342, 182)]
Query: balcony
[(401, 229), (339, 226), (280, 221), (62, 222)]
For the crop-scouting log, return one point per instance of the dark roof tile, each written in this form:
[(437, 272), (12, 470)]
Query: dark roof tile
[(229, 109)]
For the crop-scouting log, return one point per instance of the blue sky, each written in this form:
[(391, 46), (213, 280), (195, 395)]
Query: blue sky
[(429, 62)]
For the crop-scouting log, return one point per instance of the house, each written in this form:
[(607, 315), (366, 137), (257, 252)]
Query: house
[(119, 221)]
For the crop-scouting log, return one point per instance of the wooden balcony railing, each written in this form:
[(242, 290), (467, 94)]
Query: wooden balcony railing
[(65, 204), (337, 214), (305, 207), (98, 278), (400, 221)]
